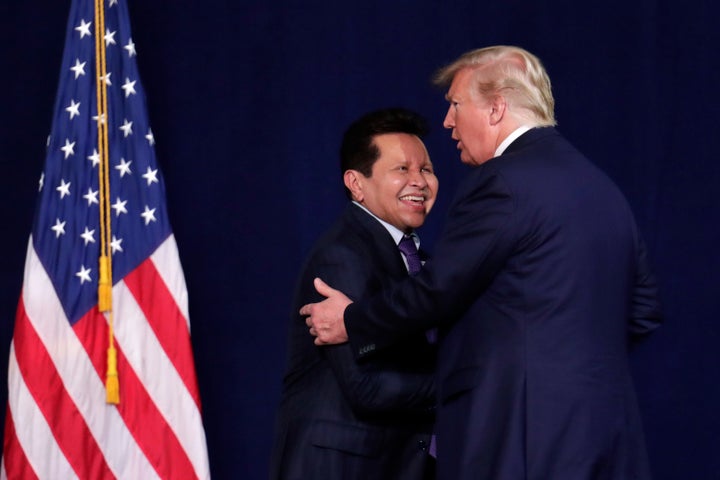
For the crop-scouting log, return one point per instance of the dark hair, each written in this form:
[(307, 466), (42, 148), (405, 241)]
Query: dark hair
[(358, 150)]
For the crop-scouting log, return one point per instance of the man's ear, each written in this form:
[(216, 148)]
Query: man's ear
[(354, 182), (498, 106)]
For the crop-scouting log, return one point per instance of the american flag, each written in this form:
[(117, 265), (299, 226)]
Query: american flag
[(58, 423)]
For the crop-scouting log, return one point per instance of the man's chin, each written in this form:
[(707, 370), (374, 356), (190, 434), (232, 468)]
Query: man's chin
[(414, 223), (467, 160)]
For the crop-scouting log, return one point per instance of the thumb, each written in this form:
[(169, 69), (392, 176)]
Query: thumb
[(323, 288)]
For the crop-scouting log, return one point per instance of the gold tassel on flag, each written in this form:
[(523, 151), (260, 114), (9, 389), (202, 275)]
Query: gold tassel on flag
[(112, 385)]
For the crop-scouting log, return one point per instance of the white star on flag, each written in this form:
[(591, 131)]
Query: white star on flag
[(84, 274), (106, 79), (129, 87), (84, 28), (115, 244), (101, 118), (63, 188), (73, 109), (88, 235), (91, 196), (119, 207), (78, 68), (148, 215), (130, 47), (150, 176), (95, 157), (126, 127), (124, 167), (68, 148), (58, 228), (109, 37)]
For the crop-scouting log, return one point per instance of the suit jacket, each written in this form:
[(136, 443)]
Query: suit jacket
[(540, 281), (338, 419)]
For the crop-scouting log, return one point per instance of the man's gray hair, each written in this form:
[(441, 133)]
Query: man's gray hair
[(511, 72)]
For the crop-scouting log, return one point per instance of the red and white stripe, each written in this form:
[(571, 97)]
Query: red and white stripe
[(58, 423)]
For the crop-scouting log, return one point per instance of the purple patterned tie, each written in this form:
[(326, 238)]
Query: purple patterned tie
[(407, 247)]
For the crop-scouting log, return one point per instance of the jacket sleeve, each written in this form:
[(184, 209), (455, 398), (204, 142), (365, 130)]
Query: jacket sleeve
[(371, 387)]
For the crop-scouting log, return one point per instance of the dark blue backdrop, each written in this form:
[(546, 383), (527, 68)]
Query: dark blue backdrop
[(248, 101)]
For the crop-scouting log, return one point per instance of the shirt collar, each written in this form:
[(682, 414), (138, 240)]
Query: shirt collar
[(510, 138), (394, 232)]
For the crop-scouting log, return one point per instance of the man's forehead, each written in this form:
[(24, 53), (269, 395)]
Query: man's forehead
[(398, 143), (453, 93), (460, 84)]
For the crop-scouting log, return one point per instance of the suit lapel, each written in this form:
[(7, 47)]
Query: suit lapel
[(368, 228)]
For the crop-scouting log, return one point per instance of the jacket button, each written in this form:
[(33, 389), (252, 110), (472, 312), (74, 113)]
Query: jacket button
[(423, 445)]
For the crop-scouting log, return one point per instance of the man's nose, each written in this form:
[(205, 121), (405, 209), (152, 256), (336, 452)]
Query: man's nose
[(417, 179), (449, 121)]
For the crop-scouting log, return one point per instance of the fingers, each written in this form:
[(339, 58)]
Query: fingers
[(328, 337), (323, 288), (317, 340), (306, 310)]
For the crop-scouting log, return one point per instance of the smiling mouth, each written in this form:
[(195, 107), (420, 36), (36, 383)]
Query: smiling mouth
[(413, 198)]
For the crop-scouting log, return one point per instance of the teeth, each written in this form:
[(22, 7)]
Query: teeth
[(413, 198)]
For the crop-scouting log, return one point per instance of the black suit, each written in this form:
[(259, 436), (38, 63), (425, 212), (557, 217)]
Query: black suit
[(543, 280), (340, 420)]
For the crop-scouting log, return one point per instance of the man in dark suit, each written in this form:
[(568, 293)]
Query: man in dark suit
[(338, 419), (539, 283)]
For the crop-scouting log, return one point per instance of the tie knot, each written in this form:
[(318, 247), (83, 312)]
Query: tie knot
[(409, 249), (407, 245)]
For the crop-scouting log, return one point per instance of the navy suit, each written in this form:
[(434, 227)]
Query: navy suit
[(338, 419), (540, 281)]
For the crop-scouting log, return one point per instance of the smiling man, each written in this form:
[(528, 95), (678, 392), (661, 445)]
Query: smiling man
[(539, 283), (339, 419)]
